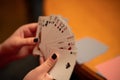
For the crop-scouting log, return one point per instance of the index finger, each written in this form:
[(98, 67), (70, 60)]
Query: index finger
[(32, 27)]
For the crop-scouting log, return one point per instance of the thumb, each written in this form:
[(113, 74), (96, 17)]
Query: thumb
[(29, 41), (49, 63)]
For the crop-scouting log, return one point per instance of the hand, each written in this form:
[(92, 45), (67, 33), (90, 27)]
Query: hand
[(41, 72), (19, 44)]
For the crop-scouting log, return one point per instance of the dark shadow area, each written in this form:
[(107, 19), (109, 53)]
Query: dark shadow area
[(82, 72)]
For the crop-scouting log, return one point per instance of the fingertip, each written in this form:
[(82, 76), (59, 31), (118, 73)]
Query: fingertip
[(53, 59), (41, 60), (29, 42), (35, 40), (50, 62), (54, 56)]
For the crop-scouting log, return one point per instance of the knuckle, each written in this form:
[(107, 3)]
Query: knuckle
[(50, 63)]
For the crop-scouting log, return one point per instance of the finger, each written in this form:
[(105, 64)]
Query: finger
[(49, 63), (25, 51), (41, 59), (32, 26), (29, 30), (29, 41)]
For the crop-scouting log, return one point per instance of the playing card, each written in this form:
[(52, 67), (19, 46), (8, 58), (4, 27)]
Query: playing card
[(60, 30), (63, 71), (43, 34), (65, 45), (55, 35), (36, 50)]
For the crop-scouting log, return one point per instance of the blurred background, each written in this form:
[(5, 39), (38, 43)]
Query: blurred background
[(13, 14), (98, 19)]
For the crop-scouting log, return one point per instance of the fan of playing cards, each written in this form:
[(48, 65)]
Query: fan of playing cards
[(55, 35)]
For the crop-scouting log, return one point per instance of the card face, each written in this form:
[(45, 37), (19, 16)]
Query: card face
[(63, 72), (89, 48), (58, 31), (55, 35)]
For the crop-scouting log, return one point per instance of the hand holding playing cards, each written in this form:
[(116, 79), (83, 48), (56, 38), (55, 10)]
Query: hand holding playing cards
[(19, 44), (41, 72), (55, 35)]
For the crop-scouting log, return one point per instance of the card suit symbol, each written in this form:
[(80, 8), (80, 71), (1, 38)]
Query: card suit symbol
[(60, 29), (68, 44), (46, 23), (55, 25), (68, 65), (71, 52), (69, 48)]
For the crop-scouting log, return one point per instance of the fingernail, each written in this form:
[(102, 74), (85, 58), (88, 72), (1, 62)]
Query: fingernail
[(35, 40), (54, 56)]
